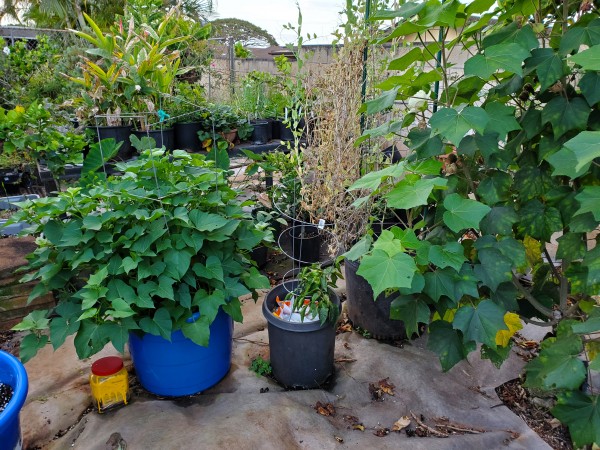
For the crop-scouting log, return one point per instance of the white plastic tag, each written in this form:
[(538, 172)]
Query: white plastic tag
[(321, 224)]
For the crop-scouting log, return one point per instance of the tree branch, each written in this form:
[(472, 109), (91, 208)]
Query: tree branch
[(539, 323), (531, 299)]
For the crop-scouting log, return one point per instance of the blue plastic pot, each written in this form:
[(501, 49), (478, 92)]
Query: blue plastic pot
[(12, 373), (181, 367)]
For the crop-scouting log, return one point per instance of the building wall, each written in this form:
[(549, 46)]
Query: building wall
[(217, 80)]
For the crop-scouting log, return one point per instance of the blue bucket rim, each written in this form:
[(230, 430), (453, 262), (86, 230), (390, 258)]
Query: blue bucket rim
[(19, 390)]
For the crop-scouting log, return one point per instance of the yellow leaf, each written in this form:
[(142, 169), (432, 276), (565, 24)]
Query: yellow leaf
[(533, 250), (587, 306), (448, 315), (513, 322), (593, 349)]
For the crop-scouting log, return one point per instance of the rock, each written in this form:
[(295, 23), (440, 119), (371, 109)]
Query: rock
[(543, 402)]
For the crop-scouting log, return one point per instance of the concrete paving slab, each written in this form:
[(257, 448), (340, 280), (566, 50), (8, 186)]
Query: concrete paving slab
[(235, 414)]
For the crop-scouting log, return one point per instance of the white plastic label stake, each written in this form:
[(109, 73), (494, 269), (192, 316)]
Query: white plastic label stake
[(321, 224)]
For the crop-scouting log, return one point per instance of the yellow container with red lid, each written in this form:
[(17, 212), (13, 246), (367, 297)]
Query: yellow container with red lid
[(109, 381)]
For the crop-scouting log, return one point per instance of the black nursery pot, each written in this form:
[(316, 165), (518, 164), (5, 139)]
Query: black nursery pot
[(10, 176), (275, 127), (285, 133), (262, 132), (186, 136), (393, 154), (302, 354), (259, 255), (10, 181), (363, 312), (306, 243), (119, 134), (164, 137), (400, 218)]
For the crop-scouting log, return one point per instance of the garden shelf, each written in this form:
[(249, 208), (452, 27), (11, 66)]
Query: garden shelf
[(274, 145), (8, 203), (72, 172)]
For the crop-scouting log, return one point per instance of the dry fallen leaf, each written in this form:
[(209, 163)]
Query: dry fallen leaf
[(344, 328), (376, 393), (344, 359), (339, 439), (381, 432), (358, 426), (322, 411), (386, 386), (528, 344), (325, 409), (346, 346), (554, 423), (401, 423)]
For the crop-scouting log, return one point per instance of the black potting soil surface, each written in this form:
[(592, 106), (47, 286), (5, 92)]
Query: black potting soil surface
[(6, 393)]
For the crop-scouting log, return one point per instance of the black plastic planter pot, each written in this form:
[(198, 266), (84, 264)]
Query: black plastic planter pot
[(164, 137), (301, 353), (259, 256), (306, 243), (10, 181), (10, 176), (378, 227), (262, 132), (392, 153), (285, 133), (186, 136), (363, 312), (119, 134), (399, 220), (275, 127), (272, 126)]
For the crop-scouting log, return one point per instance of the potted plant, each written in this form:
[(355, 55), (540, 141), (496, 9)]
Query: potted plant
[(266, 219), (157, 254), (102, 104), (135, 67), (222, 120), (12, 169), (253, 100), (516, 228), (14, 159), (13, 392), (400, 224), (286, 199), (151, 58), (288, 104), (301, 316), (186, 109), (32, 135), (49, 144)]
